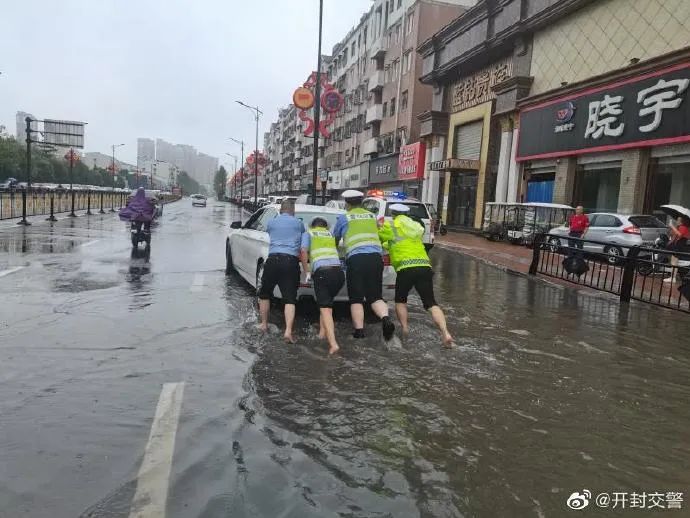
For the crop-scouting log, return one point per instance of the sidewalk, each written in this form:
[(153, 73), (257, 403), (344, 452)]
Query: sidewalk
[(508, 257)]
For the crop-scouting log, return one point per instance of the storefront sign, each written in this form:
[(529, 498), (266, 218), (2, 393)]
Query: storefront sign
[(476, 89), (382, 170), (411, 161), (454, 164), (648, 110)]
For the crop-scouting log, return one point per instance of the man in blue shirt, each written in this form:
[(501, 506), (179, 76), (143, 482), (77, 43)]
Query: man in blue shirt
[(364, 263), (282, 266)]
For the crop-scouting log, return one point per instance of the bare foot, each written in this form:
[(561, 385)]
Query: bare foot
[(405, 332), (448, 341), (288, 339), (333, 349)]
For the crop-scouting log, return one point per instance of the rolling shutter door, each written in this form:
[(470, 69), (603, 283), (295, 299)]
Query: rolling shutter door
[(468, 140)]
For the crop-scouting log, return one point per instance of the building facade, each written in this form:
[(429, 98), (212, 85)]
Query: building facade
[(375, 69), (607, 124), (146, 151)]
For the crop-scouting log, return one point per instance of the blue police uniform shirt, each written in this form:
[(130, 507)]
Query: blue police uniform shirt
[(339, 233), (306, 243), (285, 233)]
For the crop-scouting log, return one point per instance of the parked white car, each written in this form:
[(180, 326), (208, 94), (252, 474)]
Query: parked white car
[(381, 206), (246, 249)]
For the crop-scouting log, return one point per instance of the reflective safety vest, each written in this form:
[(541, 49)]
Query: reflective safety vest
[(407, 248), (322, 245), (361, 230)]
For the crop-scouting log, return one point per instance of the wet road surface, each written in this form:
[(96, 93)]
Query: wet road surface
[(549, 391)]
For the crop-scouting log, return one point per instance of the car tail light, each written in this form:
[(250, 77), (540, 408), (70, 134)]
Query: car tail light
[(386, 260), (632, 229), (380, 220)]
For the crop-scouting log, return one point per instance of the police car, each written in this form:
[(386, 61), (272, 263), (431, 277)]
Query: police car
[(379, 202)]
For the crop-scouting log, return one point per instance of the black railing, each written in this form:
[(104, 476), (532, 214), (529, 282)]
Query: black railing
[(41, 202), (646, 274)]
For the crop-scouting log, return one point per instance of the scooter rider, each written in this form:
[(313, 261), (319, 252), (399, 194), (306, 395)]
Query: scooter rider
[(318, 245), (402, 237), (364, 263)]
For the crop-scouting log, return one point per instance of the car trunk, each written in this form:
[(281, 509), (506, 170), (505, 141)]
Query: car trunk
[(650, 227)]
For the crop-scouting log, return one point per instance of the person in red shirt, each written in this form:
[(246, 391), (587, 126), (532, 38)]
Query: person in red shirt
[(578, 224), (680, 235)]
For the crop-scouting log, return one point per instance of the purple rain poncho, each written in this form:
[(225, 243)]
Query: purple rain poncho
[(139, 208)]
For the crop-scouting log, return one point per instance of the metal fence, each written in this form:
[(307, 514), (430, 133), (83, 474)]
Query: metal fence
[(16, 203), (645, 274)]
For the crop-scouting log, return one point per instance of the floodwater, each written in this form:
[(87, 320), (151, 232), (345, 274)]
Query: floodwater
[(549, 390)]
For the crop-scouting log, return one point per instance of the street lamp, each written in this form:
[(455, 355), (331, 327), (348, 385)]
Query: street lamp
[(233, 174), (112, 207), (257, 112), (241, 143)]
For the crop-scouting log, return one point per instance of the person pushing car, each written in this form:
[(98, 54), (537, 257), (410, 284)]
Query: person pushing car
[(364, 263), (318, 246), (402, 237)]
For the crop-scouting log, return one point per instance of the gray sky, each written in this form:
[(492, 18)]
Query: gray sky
[(162, 68)]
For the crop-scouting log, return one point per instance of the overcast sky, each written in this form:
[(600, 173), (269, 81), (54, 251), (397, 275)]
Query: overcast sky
[(162, 68)]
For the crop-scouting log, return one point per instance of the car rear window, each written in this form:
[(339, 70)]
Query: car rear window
[(646, 222), (417, 210), (307, 217)]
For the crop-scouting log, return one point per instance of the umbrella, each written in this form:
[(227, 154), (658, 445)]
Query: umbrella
[(675, 211)]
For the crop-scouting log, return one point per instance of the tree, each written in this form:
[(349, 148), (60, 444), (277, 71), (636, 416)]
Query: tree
[(188, 184), (219, 182)]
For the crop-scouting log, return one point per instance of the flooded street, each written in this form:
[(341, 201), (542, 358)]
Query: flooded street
[(549, 391)]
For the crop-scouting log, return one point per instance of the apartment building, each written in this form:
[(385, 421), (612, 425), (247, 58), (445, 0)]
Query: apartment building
[(375, 68)]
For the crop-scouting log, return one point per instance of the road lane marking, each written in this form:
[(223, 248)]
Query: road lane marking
[(154, 475), (11, 270), (90, 243), (197, 283)]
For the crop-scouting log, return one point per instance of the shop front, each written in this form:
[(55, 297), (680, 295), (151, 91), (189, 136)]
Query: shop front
[(383, 174), (619, 145)]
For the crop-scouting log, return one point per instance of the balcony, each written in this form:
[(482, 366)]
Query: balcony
[(370, 146), (378, 48), (376, 81), (295, 172), (374, 113)]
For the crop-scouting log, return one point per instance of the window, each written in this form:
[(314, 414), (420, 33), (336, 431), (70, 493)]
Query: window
[(371, 205), (399, 4), (395, 69), (344, 60), (409, 23), (397, 33), (385, 109), (606, 220), (393, 106), (403, 101), (407, 62), (254, 221), (352, 50), (387, 74)]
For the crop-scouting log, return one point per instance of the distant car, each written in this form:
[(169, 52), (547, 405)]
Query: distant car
[(198, 200), (336, 204), (246, 249), (381, 206), (617, 232), (10, 183)]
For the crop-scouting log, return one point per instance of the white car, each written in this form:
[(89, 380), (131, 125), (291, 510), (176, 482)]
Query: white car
[(198, 200), (336, 204), (381, 206), (246, 249)]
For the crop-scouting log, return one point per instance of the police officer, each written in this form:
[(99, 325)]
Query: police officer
[(402, 237), (318, 246), (364, 263)]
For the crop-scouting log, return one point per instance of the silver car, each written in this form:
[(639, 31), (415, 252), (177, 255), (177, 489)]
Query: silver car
[(617, 232)]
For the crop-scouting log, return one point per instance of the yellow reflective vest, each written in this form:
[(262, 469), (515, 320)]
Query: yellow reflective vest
[(402, 237)]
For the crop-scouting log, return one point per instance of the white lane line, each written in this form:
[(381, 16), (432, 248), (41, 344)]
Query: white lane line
[(154, 475), (11, 270), (90, 243), (197, 283)]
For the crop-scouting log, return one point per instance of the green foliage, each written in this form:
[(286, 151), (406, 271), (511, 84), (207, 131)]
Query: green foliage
[(219, 182), (188, 184), (46, 168)]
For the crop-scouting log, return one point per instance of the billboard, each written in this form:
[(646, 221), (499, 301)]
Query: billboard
[(63, 133)]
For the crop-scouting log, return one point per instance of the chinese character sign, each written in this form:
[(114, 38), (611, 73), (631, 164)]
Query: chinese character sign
[(411, 161), (476, 89), (636, 112)]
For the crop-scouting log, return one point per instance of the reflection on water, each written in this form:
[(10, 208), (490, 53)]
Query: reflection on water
[(139, 277), (549, 391)]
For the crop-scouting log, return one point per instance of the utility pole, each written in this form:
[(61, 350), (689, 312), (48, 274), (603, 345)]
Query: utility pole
[(241, 143), (24, 221), (257, 112), (317, 111), (112, 207)]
